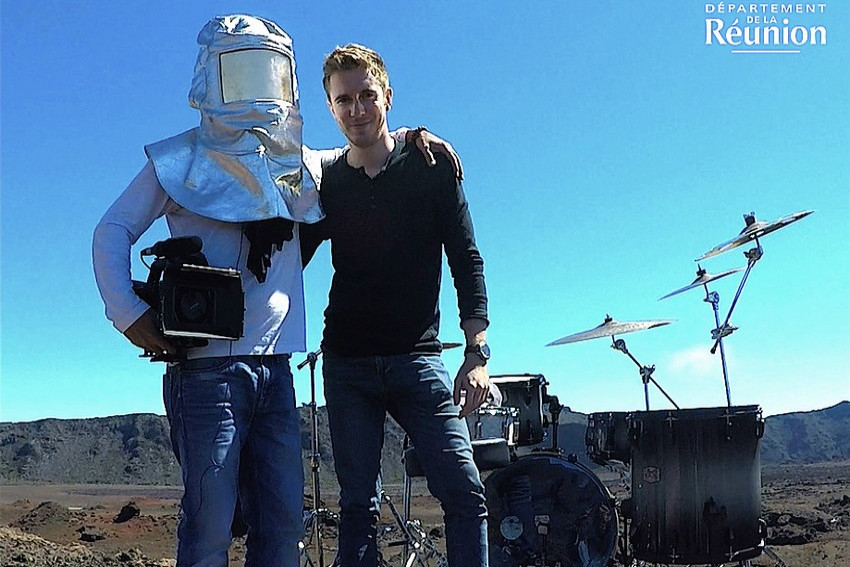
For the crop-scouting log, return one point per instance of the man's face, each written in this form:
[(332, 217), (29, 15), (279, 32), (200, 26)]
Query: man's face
[(359, 104)]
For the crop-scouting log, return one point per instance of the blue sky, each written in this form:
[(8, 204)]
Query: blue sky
[(605, 146)]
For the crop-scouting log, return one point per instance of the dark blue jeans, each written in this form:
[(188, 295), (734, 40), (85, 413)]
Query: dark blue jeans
[(417, 393), (234, 428)]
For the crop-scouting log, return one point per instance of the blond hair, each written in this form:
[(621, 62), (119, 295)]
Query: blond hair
[(354, 56)]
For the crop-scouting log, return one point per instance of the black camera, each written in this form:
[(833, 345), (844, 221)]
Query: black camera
[(193, 301)]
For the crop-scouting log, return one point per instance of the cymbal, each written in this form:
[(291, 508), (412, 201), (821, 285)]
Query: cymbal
[(610, 327), (703, 278), (754, 229), (447, 346)]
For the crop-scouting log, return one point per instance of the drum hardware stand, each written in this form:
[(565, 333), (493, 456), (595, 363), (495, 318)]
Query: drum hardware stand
[(753, 255), (713, 298), (555, 409), (418, 546), (611, 328), (772, 554), (407, 496), (752, 232), (318, 516), (645, 372)]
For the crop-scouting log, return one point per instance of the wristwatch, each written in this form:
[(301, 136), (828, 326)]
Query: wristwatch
[(481, 350)]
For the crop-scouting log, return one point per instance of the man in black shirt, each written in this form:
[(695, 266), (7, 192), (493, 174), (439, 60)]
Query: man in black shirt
[(388, 217)]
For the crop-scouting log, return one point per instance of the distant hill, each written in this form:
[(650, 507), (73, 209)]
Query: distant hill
[(121, 449), (808, 437), (135, 448)]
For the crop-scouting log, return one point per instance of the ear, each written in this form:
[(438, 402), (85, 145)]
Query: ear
[(388, 95)]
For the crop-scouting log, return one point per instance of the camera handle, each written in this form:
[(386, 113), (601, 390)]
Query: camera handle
[(147, 292), (156, 269)]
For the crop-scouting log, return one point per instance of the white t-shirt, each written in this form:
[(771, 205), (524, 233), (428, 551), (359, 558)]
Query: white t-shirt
[(274, 310)]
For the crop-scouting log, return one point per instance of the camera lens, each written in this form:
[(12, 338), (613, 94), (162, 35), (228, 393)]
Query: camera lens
[(194, 305)]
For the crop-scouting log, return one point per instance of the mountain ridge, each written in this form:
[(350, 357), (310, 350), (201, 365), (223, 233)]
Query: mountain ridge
[(136, 449)]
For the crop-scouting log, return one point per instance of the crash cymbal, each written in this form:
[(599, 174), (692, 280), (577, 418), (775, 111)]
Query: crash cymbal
[(447, 346), (754, 229), (610, 327), (703, 278)]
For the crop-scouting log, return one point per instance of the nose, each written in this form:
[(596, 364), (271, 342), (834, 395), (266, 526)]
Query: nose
[(357, 107)]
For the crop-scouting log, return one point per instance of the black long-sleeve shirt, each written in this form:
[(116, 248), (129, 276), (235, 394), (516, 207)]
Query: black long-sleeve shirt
[(387, 236)]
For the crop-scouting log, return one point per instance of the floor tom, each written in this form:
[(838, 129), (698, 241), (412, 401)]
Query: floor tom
[(696, 485)]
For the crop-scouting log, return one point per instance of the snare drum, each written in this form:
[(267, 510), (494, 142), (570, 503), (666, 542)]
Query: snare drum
[(696, 485), (545, 509), (494, 423), (525, 393), (607, 437)]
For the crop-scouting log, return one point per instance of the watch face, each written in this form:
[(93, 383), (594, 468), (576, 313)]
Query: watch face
[(482, 350)]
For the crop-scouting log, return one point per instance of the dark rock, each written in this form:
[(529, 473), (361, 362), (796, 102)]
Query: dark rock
[(91, 533), (128, 512), (130, 556)]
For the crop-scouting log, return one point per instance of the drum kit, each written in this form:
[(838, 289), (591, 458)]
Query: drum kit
[(694, 494)]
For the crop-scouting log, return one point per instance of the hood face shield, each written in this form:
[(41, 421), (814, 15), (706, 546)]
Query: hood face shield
[(244, 161), (250, 75)]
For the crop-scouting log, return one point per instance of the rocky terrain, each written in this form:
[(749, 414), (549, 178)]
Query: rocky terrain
[(807, 509), (105, 492)]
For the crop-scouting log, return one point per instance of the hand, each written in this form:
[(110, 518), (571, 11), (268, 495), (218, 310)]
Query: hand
[(145, 334), (264, 237), (474, 379), (428, 143)]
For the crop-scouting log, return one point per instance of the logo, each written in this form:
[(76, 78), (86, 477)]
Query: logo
[(765, 28), (651, 475)]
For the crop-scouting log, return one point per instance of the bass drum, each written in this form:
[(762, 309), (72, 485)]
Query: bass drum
[(547, 510)]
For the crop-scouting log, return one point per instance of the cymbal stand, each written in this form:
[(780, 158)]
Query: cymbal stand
[(318, 516), (753, 255), (713, 298), (645, 372)]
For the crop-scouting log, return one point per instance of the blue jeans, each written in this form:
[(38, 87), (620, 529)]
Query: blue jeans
[(235, 429), (417, 393)]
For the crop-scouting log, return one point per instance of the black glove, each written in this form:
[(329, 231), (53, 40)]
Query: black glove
[(265, 236)]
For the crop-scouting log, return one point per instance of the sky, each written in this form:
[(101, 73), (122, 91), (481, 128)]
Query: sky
[(605, 146)]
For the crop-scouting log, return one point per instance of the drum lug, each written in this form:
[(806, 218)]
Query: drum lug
[(759, 428), (635, 431)]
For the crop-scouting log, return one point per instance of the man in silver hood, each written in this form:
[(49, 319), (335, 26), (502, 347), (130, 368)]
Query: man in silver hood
[(241, 181)]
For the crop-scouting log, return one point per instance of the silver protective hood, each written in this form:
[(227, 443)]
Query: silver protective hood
[(244, 162)]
